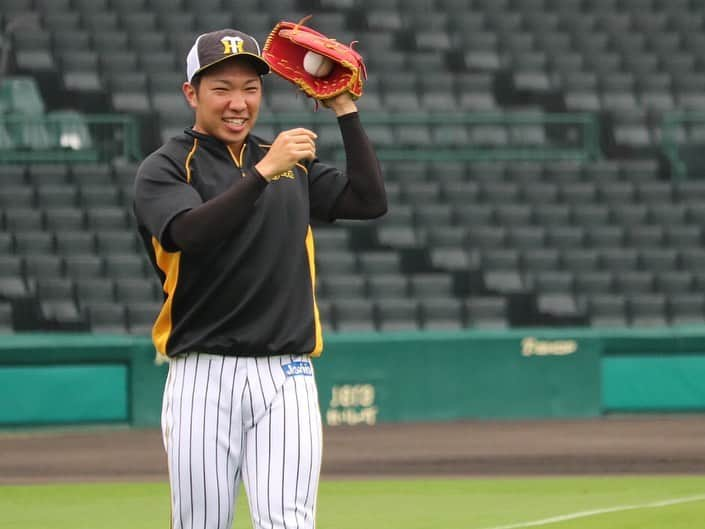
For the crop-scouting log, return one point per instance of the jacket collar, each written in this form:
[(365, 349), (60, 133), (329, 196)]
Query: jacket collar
[(211, 141)]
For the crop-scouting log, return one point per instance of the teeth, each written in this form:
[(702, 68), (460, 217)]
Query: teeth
[(235, 121)]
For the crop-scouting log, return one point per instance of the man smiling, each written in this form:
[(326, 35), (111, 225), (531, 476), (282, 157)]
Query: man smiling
[(225, 220)]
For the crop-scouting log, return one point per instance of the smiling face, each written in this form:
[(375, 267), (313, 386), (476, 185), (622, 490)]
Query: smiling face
[(227, 101)]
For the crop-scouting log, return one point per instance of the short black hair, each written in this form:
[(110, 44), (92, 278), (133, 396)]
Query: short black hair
[(196, 81)]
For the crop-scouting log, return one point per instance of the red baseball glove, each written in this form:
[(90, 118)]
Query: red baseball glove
[(286, 46)]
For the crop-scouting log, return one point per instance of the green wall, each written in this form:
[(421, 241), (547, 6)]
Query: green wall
[(442, 376), (51, 394), (371, 377), (654, 383), (79, 378)]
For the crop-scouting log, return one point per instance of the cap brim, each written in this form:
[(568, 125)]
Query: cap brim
[(258, 62)]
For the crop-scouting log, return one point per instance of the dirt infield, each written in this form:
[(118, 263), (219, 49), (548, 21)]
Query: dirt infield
[(617, 445)]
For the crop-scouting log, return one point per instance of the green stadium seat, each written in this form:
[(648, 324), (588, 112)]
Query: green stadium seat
[(15, 287), (6, 141), (657, 259), (23, 219), (452, 259), (56, 196), (117, 60), (134, 102), (429, 285), (552, 282), (552, 214), (645, 236), (29, 132), (559, 305), (111, 46), (74, 242), (106, 218), (343, 286), (21, 95), (135, 290), (486, 237), (635, 282), (607, 310), (40, 174), (66, 32), (354, 315), (647, 310), (445, 237), (91, 174), (125, 265), (42, 265), (605, 236), (500, 259), (671, 281), (70, 129), (335, 262), (6, 318), (540, 259), (6, 243), (112, 242), (686, 308), (376, 262), (141, 317), (594, 282), (62, 219), (513, 215), (684, 237), (387, 286), (97, 20), (487, 312), (83, 266), (94, 290), (35, 61), (503, 282), (53, 6), (441, 313), (17, 196), (55, 289), (397, 314), (106, 317), (618, 259), (11, 265)]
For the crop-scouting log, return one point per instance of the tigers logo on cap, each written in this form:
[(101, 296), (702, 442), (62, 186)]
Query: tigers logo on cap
[(232, 43), (211, 48)]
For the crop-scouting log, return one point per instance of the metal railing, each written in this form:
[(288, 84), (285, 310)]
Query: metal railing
[(75, 137), (477, 136), (68, 137), (679, 142)]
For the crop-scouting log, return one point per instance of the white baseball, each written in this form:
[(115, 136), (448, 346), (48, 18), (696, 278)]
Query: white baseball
[(317, 65)]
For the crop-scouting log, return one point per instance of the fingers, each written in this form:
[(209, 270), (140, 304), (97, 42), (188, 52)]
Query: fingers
[(298, 144), (289, 147)]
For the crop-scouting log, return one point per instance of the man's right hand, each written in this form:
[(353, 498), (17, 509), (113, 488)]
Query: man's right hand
[(288, 147)]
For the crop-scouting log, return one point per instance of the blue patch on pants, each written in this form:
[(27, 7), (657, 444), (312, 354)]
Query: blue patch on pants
[(300, 367)]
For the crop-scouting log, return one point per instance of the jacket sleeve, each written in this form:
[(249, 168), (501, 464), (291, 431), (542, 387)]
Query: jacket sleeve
[(161, 193), (364, 196)]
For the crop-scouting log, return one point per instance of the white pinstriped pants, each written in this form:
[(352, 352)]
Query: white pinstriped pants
[(227, 419)]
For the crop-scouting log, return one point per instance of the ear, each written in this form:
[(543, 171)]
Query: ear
[(190, 94)]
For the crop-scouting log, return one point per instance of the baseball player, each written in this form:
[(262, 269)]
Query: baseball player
[(224, 216)]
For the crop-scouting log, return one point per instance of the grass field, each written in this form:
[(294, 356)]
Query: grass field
[(555, 503)]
